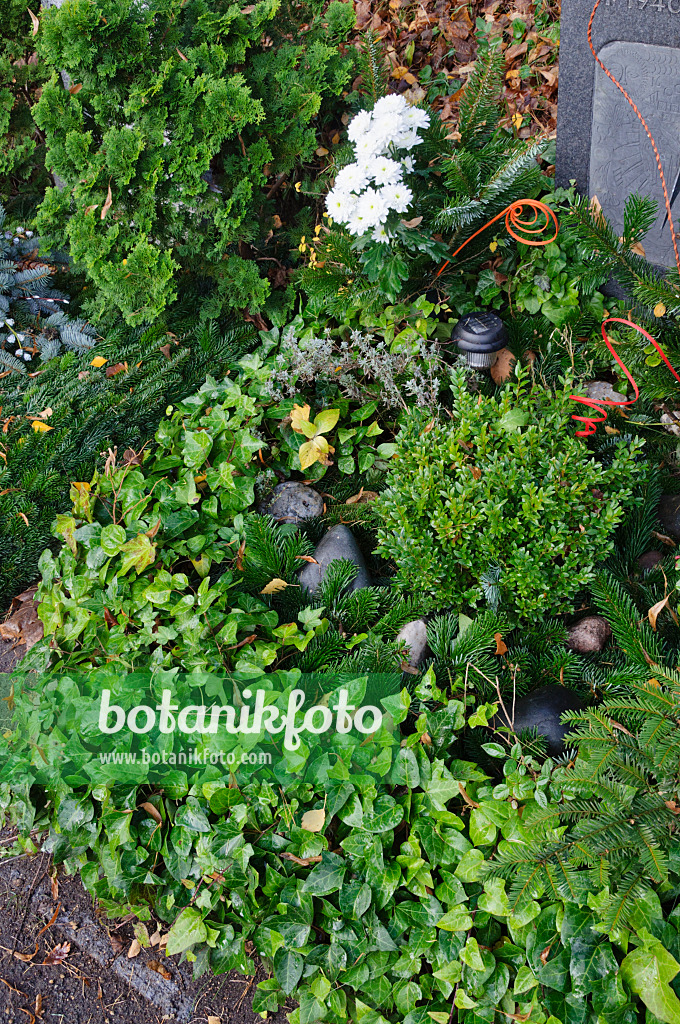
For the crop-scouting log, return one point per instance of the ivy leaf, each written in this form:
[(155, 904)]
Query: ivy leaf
[(197, 445), (138, 554), (326, 420), (514, 419), (326, 877), (187, 930), (288, 969), (299, 420), (649, 972), (313, 451)]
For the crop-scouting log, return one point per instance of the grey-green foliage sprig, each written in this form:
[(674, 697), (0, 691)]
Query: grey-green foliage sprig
[(31, 308)]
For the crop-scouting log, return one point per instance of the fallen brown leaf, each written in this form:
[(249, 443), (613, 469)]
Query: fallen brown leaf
[(75, 89), (135, 949), (155, 965), (107, 206), (35, 21), (503, 367), (152, 811), (165, 349), (501, 647), (307, 558), (113, 371)]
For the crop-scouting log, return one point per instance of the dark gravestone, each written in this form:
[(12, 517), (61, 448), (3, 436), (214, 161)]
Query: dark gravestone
[(600, 140)]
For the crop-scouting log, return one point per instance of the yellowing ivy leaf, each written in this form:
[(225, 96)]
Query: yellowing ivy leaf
[(299, 415), (313, 821), (315, 450), (274, 586), (326, 420)]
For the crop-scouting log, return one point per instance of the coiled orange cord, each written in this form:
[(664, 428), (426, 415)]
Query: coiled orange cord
[(589, 421), (514, 224)]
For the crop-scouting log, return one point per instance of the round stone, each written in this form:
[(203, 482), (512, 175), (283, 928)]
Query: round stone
[(602, 391), (669, 514), (542, 710), (337, 544), (293, 502), (589, 635), (414, 635), (649, 560)]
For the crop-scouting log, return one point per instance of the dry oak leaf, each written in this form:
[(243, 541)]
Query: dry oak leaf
[(313, 821)]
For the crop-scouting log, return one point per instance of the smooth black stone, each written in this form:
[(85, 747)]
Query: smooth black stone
[(649, 560), (601, 144), (669, 515), (541, 710), (293, 502), (337, 544)]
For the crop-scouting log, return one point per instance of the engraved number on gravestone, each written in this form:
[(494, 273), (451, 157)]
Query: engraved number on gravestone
[(621, 156)]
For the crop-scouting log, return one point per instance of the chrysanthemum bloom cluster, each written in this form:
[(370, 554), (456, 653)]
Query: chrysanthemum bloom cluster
[(368, 190)]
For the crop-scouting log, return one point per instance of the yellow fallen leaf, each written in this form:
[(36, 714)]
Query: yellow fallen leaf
[(40, 427), (659, 309), (313, 821), (517, 120), (299, 415), (274, 586), (214, 1020), (493, 245), (99, 361)]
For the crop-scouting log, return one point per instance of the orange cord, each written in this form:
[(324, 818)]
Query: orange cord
[(592, 403), (618, 85), (513, 220)]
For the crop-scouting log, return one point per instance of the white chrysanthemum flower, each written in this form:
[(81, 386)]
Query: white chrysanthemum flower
[(384, 171), (372, 208), (368, 146), (381, 234), (392, 104), (359, 125), (397, 197), (351, 178), (408, 164), (415, 117), (341, 204)]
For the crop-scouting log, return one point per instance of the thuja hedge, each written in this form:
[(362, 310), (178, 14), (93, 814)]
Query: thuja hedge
[(178, 114)]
